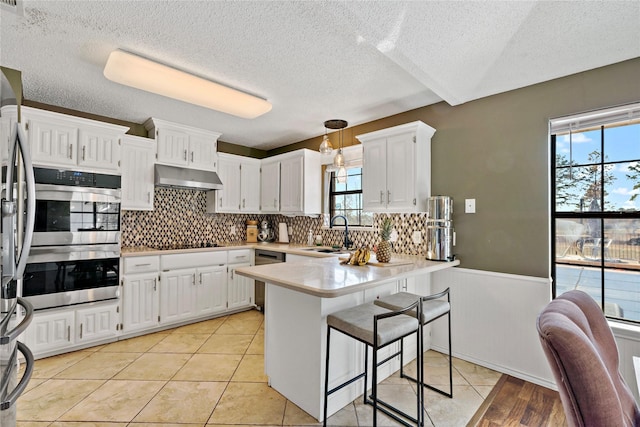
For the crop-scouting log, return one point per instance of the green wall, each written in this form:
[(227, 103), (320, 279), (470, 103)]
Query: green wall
[(496, 150)]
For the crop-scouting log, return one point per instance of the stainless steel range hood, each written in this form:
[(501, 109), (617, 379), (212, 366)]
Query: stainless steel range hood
[(171, 176)]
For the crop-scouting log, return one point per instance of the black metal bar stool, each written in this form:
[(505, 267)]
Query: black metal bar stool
[(363, 323), (433, 307)]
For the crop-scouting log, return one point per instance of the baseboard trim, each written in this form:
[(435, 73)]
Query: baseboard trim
[(514, 373)]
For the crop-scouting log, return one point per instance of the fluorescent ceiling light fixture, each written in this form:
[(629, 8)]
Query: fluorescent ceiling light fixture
[(141, 73)]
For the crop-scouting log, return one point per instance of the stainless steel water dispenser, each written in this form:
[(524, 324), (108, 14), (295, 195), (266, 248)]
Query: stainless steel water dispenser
[(440, 233)]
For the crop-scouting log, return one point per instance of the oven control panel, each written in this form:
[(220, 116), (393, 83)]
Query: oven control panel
[(75, 178)]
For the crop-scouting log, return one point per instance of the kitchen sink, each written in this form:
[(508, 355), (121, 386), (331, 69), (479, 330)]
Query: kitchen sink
[(327, 251)]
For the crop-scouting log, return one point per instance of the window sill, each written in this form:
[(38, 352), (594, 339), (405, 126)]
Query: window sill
[(625, 330), (352, 228)]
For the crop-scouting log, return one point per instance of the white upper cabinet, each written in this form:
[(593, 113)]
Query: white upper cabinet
[(240, 192), (228, 199), (270, 186), (291, 183), (250, 185), (62, 140), (396, 173), (138, 157), (181, 145)]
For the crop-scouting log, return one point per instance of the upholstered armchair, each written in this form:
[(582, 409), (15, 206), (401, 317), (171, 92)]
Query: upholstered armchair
[(583, 355)]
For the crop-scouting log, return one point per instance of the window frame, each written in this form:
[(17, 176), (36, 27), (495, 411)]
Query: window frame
[(600, 216), (332, 192)]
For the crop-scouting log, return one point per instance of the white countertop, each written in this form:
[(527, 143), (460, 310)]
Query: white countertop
[(328, 278)]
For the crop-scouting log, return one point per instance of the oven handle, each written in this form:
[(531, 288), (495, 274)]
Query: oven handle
[(65, 193), (65, 253)]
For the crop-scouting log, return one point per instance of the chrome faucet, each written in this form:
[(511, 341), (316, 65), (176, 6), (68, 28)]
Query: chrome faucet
[(347, 242)]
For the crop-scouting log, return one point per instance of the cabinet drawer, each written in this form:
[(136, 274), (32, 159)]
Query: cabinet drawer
[(141, 264), (240, 256), (193, 260)]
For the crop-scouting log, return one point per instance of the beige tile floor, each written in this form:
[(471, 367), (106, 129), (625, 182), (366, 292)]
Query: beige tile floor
[(212, 374)]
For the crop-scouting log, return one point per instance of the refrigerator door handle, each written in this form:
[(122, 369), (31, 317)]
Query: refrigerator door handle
[(22, 326), (11, 399), (31, 201)]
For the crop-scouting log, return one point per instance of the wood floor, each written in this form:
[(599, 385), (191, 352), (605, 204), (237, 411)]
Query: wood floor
[(514, 402)]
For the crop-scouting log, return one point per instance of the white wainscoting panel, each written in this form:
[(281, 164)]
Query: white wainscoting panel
[(493, 321), (628, 339), (494, 324)]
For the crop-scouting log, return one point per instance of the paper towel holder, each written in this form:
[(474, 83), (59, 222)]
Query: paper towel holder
[(283, 233)]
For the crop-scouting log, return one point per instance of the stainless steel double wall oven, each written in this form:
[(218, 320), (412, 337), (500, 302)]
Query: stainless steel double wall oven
[(76, 242)]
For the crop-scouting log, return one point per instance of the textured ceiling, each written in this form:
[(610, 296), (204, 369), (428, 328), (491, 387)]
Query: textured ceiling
[(313, 60)]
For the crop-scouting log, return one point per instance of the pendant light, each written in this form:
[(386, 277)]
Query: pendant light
[(325, 146), (338, 160)]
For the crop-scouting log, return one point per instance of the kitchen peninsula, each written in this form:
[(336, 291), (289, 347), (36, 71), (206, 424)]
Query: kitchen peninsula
[(299, 296)]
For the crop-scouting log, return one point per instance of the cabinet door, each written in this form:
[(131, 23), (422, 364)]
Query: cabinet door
[(401, 172), (240, 288), (211, 294), (250, 187), (50, 331), (173, 146), (177, 295), (228, 199), (96, 322), (99, 149), (291, 185), (270, 187), (140, 301), (202, 152), (52, 143), (138, 157), (374, 175)]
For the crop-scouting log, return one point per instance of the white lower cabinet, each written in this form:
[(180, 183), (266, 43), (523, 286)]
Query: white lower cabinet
[(211, 290), (50, 331), (140, 301), (140, 293), (240, 288), (95, 323), (192, 285), (177, 295), (68, 327)]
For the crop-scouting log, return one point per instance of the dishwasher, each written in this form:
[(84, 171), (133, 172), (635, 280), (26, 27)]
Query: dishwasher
[(263, 257)]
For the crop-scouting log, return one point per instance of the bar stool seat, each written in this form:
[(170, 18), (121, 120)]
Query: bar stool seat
[(357, 322), (433, 307), (377, 327)]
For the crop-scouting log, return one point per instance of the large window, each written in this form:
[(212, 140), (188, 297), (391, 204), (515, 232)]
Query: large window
[(596, 210), (345, 198)]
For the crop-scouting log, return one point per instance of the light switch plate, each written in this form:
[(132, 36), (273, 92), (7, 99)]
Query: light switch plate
[(394, 236), (232, 231), (417, 237), (469, 205)]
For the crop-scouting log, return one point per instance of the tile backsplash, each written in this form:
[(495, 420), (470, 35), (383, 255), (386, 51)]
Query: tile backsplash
[(179, 218)]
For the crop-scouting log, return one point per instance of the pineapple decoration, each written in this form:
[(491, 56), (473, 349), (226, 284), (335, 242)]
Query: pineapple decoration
[(383, 253)]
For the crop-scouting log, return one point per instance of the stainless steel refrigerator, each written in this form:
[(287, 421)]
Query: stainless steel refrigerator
[(18, 215)]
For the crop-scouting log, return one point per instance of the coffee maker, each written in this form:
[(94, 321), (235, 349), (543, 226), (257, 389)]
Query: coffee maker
[(440, 234)]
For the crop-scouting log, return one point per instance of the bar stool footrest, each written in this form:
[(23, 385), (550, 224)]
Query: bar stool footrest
[(430, 387), (394, 413)]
